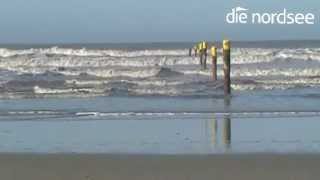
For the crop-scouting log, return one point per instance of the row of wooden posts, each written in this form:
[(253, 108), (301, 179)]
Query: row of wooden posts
[(226, 46)]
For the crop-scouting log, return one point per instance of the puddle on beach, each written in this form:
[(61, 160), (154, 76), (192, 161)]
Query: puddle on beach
[(210, 134)]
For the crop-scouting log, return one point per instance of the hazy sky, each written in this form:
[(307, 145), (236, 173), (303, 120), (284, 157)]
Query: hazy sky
[(65, 21)]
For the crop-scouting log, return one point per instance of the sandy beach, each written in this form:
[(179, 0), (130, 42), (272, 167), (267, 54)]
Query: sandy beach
[(152, 167)]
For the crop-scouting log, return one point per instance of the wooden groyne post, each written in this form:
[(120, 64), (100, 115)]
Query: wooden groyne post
[(226, 67), (214, 62), (195, 48)]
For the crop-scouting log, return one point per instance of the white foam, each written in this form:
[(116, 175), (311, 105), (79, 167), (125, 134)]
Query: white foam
[(261, 72), (279, 84), (91, 52), (247, 87), (40, 90), (99, 58), (99, 72), (166, 114), (168, 91), (33, 113), (217, 114), (129, 114)]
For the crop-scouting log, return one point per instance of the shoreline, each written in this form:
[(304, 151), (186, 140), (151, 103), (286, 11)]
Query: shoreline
[(146, 167)]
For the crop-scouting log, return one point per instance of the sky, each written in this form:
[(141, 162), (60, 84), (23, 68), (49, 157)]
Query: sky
[(106, 21)]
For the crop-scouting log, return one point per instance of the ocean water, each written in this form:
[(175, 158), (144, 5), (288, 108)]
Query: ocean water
[(154, 98)]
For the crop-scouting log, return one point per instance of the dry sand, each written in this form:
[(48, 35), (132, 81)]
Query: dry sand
[(150, 167)]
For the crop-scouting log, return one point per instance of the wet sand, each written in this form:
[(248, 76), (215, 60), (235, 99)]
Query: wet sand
[(151, 167)]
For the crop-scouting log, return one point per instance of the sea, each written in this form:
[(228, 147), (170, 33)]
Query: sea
[(153, 98)]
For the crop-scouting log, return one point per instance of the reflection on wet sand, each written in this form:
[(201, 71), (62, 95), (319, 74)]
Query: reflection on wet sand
[(214, 128), (224, 126), (226, 131), (220, 129), (166, 133)]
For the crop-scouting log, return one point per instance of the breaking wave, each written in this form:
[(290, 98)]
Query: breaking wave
[(90, 52), (165, 72), (242, 55)]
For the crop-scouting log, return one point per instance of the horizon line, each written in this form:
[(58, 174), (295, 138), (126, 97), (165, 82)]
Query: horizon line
[(154, 42)]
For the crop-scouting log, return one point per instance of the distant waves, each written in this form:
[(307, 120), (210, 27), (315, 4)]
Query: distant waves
[(164, 72)]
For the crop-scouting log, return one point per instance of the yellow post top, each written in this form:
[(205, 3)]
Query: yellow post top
[(213, 51), (226, 44), (198, 45), (204, 44)]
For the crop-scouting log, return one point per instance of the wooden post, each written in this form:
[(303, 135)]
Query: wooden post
[(226, 67), (190, 52), (205, 58), (214, 62), (200, 58), (195, 51)]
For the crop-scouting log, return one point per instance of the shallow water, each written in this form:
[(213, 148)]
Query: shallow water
[(269, 121), (294, 100), (206, 134)]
